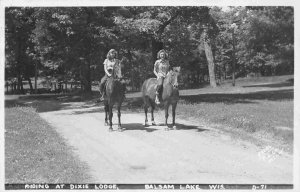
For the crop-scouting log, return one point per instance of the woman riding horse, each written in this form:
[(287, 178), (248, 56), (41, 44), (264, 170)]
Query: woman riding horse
[(111, 67), (166, 85), (161, 68), (111, 88)]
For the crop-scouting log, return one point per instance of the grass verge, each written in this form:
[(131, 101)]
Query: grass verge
[(35, 152), (264, 117), (267, 120)]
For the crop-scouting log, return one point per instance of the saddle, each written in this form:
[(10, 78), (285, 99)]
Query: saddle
[(119, 79)]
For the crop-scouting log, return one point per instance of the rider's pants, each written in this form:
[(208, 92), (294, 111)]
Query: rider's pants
[(102, 84), (160, 82)]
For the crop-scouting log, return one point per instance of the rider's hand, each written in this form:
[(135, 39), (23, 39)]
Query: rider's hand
[(108, 74)]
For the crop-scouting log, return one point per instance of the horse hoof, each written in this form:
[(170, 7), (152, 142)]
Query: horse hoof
[(146, 124), (153, 123), (106, 124), (174, 127), (110, 129), (120, 129)]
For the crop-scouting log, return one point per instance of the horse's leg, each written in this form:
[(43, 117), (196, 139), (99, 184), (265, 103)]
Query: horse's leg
[(152, 116), (166, 115), (173, 114), (110, 118), (106, 114), (119, 118), (146, 116)]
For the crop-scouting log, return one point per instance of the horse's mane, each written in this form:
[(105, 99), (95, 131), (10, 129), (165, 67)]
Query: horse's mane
[(169, 75)]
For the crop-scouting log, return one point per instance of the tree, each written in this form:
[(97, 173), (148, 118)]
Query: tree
[(71, 43), (204, 31), (74, 39), (263, 36), (169, 27), (19, 23)]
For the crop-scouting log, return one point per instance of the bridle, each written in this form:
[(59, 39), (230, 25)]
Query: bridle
[(174, 84)]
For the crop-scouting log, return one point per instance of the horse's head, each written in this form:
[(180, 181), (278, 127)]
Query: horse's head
[(173, 76)]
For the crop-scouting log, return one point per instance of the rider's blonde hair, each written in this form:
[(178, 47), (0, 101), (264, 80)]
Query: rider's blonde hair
[(108, 56), (162, 51)]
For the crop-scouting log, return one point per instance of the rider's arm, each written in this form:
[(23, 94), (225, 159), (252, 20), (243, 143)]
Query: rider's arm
[(155, 68), (105, 68)]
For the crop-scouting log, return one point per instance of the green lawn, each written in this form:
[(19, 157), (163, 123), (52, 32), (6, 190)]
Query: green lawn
[(259, 110), (35, 153), (265, 119), (261, 107)]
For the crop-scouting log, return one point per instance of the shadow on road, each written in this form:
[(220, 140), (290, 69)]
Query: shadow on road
[(41, 105), (232, 98), (180, 126), (287, 83), (137, 126), (88, 110), (47, 103)]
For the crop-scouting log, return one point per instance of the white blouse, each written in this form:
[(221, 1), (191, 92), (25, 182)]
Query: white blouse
[(113, 64)]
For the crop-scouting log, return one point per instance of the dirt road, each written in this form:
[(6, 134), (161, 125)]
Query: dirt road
[(191, 154)]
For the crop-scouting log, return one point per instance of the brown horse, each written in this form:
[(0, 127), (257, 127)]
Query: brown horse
[(115, 94), (169, 96)]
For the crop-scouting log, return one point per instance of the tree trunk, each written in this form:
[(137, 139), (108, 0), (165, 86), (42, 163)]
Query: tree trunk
[(35, 79), (22, 88), (129, 56), (233, 59), (30, 85), (14, 87), (19, 85), (210, 60), (87, 82), (85, 77), (88, 86), (18, 56)]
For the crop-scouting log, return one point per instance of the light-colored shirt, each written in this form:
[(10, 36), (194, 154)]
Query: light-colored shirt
[(161, 67), (113, 64)]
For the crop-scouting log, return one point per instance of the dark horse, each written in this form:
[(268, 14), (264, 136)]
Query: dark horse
[(169, 96), (115, 94)]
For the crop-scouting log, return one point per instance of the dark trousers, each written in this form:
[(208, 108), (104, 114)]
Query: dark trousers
[(102, 84), (160, 83)]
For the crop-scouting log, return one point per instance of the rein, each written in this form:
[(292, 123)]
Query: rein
[(169, 78)]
